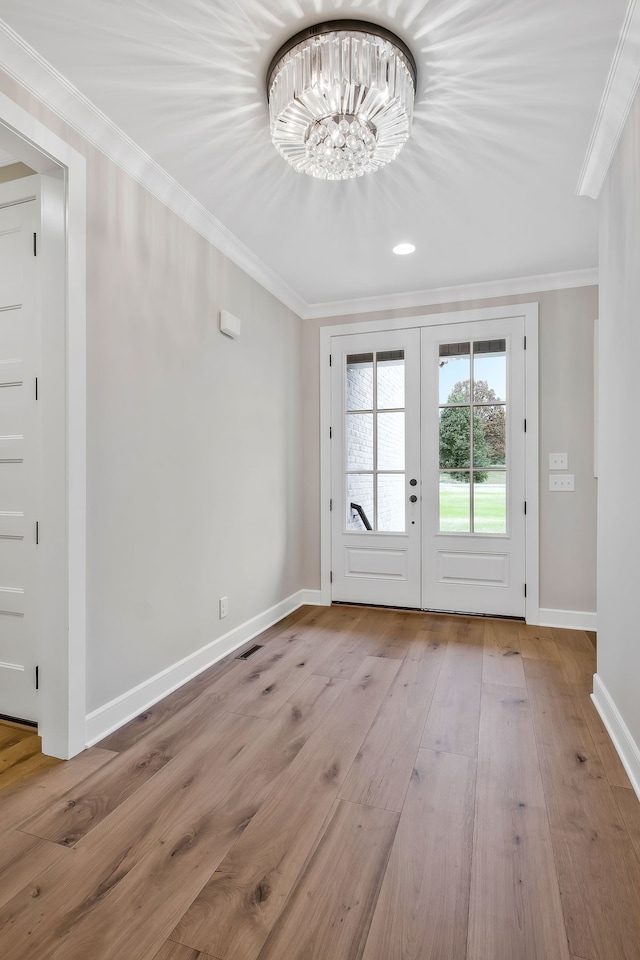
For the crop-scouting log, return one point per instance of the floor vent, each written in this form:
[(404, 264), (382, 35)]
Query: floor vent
[(250, 652)]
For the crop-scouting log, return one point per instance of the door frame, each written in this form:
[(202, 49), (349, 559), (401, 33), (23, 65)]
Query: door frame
[(62, 551), (529, 312)]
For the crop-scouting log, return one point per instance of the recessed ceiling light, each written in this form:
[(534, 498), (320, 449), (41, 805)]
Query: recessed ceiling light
[(402, 249)]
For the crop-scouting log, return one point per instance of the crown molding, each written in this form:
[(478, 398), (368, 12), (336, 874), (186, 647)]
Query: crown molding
[(458, 294), (619, 93), (25, 65)]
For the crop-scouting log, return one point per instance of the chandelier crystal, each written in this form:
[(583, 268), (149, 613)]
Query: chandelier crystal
[(341, 99)]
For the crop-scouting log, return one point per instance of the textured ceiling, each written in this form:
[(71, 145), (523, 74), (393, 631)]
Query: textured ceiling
[(508, 91)]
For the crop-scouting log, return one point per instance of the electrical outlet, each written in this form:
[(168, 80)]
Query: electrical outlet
[(562, 482), (224, 607), (558, 461)]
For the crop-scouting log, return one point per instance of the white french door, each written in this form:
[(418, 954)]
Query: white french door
[(428, 467), (19, 456), (376, 468), (473, 449)]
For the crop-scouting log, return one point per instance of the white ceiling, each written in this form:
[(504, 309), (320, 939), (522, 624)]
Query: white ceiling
[(508, 91)]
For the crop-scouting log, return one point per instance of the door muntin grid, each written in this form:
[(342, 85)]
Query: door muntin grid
[(375, 415), (473, 454)]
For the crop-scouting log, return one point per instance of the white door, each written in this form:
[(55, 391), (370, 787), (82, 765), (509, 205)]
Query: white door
[(473, 467), (375, 417), (18, 461)]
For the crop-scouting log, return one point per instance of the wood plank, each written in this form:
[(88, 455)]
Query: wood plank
[(267, 686), (40, 918), (424, 642), (515, 908), (539, 648), (175, 951), (423, 907), (598, 871), (380, 773), (22, 859), (10, 735), (529, 631), (82, 808), (454, 718), (35, 765), (158, 849), (577, 641), (629, 807), (579, 667), (502, 660), (210, 681), (397, 634), (615, 772), (19, 752), (234, 913), (23, 799), (329, 887), (154, 716)]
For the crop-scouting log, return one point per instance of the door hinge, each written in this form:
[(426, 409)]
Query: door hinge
[(525, 343), (331, 504), (37, 532), (35, 245), (36, 388), (525, 426), (525, 508), (330, 433), (330, 360), (37, 678), (525, 589), (330, 576)]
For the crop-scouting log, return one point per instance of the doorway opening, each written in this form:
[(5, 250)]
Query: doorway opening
[(59, 189), (431, 462)]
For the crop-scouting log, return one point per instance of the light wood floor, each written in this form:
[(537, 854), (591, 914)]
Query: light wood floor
[(371, 785), (21, 754)]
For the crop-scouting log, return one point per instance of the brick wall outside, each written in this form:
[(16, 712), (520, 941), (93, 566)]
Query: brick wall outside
[(391, 493)]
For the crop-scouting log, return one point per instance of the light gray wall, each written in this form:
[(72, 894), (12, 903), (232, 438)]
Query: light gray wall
[(619, 451), (567, 521), (193, 439)]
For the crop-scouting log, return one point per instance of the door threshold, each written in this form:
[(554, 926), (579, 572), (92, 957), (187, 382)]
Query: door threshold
[(9, 721), (444, 613)]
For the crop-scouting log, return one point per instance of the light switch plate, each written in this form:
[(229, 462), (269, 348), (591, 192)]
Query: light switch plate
[(558, 461), (562, 482)]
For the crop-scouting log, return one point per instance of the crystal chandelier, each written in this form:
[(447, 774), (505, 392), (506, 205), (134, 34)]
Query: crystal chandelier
[(341, 99)]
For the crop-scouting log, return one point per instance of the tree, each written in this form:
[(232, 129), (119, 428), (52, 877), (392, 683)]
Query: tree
[(488, 431)]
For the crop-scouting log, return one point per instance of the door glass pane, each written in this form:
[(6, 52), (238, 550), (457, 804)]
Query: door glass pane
[(454, 372), (359, 494), (359, 441), (391, 441), (489, 370), (490, 501), (455, 502), (455, 448), (360, 381), (390, 370), (490, 434), (391, 502)]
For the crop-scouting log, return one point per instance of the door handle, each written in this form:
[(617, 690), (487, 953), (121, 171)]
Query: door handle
[(413, 499)]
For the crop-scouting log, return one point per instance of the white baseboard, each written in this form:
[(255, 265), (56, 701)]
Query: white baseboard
[(313, 598), (106, 719), (569, 619), (627, 748)]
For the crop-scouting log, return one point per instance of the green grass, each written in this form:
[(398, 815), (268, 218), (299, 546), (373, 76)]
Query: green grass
[(489, 506)]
